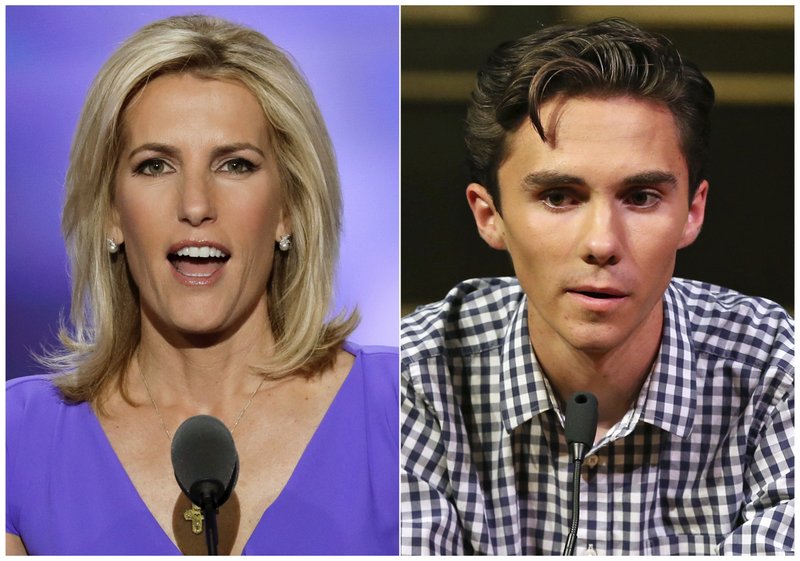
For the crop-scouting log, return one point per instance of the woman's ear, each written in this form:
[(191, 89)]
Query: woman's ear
[(284, 226), (113, 227)]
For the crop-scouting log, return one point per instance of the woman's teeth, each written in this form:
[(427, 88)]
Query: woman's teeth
[(202, 252)]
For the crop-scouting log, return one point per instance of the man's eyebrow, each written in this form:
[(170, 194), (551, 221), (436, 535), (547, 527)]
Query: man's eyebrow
[(655, 177), (549, 179)]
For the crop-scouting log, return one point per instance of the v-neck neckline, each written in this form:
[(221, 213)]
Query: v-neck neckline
[(330, 413)]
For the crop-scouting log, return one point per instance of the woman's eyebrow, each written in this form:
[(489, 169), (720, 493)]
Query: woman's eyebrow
[(235, 147), (166, 149), (218, 151)]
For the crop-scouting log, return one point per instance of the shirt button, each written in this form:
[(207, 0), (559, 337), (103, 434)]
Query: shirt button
[(590, 550), (591, 461)]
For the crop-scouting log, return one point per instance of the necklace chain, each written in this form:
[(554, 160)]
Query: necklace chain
[(193, 513), (161, 418)]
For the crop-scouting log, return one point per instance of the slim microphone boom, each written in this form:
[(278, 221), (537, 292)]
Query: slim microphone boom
[(206, 467), (580, 426)]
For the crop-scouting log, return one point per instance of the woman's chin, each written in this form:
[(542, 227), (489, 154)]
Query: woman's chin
[(189, 319), (193, 329), (200, 336)]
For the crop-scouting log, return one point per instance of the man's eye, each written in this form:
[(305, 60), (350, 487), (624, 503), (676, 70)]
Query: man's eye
[(152, 167), (644, 199), (238, 166), (557, 199)]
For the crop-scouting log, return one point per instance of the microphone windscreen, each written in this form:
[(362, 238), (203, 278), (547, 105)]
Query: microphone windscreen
[(203, 451), (580, 420)]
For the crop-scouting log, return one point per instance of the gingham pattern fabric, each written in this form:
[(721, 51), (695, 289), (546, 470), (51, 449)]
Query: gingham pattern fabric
[(702, 463)]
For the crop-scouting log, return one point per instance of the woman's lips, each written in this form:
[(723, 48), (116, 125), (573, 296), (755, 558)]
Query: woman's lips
[(197, 272), (197, 267), (198, 248), (197, 263)]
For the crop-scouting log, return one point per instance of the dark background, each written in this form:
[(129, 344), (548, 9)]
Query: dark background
[(747, 53)]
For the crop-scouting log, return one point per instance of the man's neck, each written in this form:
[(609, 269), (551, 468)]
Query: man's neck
[(615, 375)]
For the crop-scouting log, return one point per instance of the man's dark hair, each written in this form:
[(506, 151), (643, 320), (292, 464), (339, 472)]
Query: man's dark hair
[(603, 59)]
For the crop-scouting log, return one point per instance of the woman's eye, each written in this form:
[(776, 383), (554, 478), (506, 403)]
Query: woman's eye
[(152, 167), (238, 166)]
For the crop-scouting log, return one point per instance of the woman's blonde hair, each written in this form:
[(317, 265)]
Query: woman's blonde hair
[(105, 313)]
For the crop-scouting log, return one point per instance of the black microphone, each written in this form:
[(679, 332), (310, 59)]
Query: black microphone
[(206, 467), (580, 426)]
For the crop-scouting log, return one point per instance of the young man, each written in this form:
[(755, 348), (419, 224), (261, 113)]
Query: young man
[(587, 148)]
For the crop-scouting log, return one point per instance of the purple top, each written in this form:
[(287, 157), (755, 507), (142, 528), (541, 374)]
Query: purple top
[(67, 493)]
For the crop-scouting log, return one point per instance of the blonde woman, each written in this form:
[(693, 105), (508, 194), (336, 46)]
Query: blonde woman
[(202, 223)]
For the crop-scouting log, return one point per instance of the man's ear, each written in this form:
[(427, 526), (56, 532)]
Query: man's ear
[(697, 213), (487, 218)]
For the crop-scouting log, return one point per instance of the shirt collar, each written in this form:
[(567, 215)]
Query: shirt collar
[(668, 398), (524, 389)]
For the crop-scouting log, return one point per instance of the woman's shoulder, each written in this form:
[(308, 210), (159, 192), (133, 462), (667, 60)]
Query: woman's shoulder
[(36, 408), (374, 355), (38, 424), (377, 370), (31, 394), (379, 363)]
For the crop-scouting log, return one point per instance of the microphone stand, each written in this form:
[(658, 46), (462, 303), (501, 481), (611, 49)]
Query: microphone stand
[(212, 539), (578, 453), (206, 468), (580, 426), (209, 507)]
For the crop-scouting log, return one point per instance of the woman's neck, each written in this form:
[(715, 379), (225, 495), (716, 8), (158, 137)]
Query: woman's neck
[(203, 370)]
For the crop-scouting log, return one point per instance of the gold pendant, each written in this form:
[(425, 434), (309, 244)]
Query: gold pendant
[(196, 516)]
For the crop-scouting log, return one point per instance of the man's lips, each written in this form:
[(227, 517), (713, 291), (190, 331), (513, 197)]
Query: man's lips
[(598, 299), (599, 292)]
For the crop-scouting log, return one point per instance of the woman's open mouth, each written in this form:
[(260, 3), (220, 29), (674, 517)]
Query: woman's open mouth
[(197, 265)]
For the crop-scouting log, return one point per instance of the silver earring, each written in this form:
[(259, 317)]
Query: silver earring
[(113, 247), (285, 243)]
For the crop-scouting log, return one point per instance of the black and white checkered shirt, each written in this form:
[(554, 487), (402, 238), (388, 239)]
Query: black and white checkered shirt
[(702, 463)]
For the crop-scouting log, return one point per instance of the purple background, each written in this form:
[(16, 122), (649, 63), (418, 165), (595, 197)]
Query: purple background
[(348, 54)]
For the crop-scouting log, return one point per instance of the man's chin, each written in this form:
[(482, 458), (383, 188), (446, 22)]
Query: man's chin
[(595, 340)]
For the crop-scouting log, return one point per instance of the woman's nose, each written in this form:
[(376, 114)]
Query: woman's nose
[(196, 199)]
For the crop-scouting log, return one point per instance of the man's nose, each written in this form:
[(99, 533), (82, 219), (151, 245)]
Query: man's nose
[(601, 242)]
